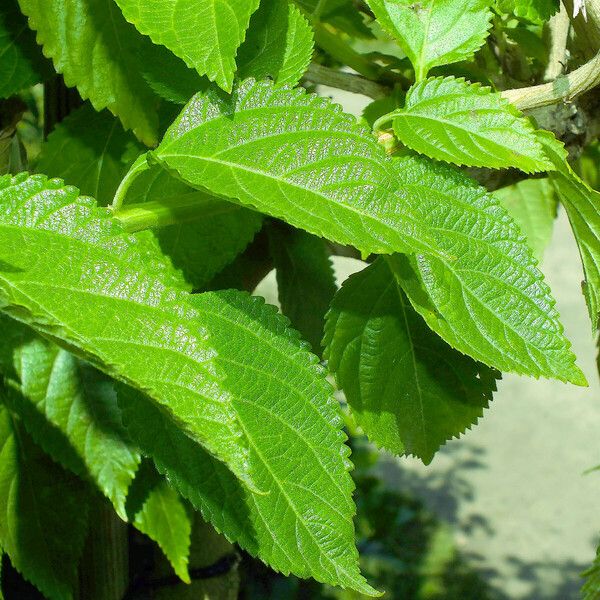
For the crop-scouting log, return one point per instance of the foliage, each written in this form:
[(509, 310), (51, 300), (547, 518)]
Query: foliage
[(135, 367)]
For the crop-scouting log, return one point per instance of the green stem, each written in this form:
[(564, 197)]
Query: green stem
[(170, 211), (335, 46), (138, 166)]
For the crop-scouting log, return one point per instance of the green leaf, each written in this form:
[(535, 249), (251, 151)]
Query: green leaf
[(489, 300), (22, 63), (279, 44), (91, 151), (72, 274), (158, 511), (408, 390), (536, 11), (581, 203), (591, 588), (204, 33), (69, 409), (532, 204), (303, 525), (435, 32), (270, 148), (203, 246), (342, 14), (464, 123), (305, 280), (44, 513), (98, 52)]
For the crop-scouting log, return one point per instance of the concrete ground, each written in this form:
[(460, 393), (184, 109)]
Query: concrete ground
[(524, 513)]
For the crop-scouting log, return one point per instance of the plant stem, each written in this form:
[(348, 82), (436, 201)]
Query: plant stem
[(345, 81), (169, 211), (564, 87), (559, 26), (336, 47)]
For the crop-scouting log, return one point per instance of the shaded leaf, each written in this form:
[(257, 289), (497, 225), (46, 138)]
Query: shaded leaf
[(44, 513), (305, 280), (408, 390)]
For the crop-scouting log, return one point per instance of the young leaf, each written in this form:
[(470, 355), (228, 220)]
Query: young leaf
[(158, 511), (22, 63), (489, 300), (305, 280), (203, 246), (279, 44), (204, 33), (98, 52), (69, 409), (408, 390), (467, 124), (434, 32), (303, 525), (44, 513), (536, 11), (72, 274), (91, 151), (271, 148), (532, 204)]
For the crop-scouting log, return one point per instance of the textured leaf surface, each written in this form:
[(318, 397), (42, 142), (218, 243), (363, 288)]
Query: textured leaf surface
[(91, 151), (489, 300), (158, 511), (98, 52), (305, 280), (536, 11), (44, 513), (408, 390), (204, 33), (435, 32), (22, 63), (203, 246), (69, 409), (71, 273), (582, 204), (293, 156), (467, 124), (303, 524), (532, 204), (279, 44)]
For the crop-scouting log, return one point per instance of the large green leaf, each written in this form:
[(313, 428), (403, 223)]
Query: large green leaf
[(303, 524), (582, 204), (22, 63), (294, 156), (72, 274), (408, 390), (157, 510), (91, 151), (305, 280), (203, 246), (279, 44), (69, 409), (204, 33), (98, 52), (467, 124), (435, 32), (532, 204), (44, 513), (489, 300)]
